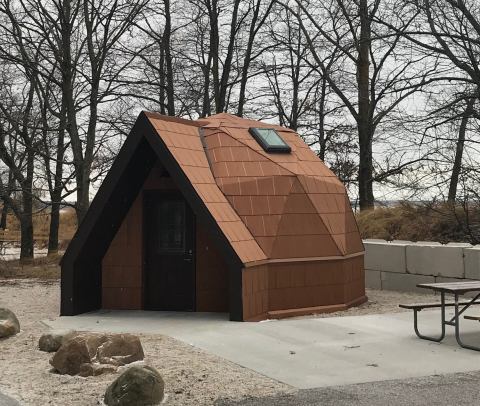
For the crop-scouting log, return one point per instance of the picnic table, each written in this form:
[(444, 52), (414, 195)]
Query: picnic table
[(457, 289)]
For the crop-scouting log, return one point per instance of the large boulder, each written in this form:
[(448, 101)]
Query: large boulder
[(137, 386), (9, 324), (85, 353), (52, 341), (74, 353), (120, 349)]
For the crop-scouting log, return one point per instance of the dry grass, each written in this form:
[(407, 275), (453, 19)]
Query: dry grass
[(44, 268), (422, 222), (413, 222), (41, 227)]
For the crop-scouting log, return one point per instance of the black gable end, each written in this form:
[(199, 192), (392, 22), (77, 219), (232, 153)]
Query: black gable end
[(81, 264)]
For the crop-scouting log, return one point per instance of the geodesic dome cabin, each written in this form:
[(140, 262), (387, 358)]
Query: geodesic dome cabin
[(221, 214)]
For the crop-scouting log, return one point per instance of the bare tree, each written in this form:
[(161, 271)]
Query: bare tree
[(374, 74), (460, 146), (83, 39), (19, 122), (449, 30)]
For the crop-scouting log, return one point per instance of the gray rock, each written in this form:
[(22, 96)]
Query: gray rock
[(51, 342), (9, 324), (137, 386), (85, 353)]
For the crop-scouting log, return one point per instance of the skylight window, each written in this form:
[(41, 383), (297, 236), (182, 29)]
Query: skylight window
[(269, 140)]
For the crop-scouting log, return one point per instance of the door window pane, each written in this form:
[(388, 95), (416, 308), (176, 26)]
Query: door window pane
[(171, 226)]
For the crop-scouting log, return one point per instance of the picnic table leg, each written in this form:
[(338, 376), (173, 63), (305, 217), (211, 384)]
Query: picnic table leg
[(457, 326), (442, 315)]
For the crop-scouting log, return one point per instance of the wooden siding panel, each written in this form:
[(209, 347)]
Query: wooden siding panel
[(283, 287), (122, 264), (211, 275)]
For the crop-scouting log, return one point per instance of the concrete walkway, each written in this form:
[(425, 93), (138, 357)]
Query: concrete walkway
[(306, 353)]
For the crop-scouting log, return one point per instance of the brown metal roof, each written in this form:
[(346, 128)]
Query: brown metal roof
[(269, 206)]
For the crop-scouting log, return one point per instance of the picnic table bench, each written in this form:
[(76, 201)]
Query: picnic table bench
[(420, 306), (456, 289)]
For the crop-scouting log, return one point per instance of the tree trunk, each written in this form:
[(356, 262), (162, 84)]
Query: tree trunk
[(364, 125), (68, 93), (26, 235), (221, 102), (321, 121), (255, 25), (3, 219), (169, 82), (246, 61), (213, 51), (83, 181), (206, 104), (6, 206), (295, 77), (162, 79), (365, 172), (54, 227), (56, 194), (26, 221), (83, 201), (457, 164)]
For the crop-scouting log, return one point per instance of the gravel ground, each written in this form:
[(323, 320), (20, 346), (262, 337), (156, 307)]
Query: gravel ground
[(192, 377)]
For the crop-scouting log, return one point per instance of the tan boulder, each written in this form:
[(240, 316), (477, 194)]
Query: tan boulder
[(9, 324), (51, 341), (71, 356), (95, 353), (120, 349)]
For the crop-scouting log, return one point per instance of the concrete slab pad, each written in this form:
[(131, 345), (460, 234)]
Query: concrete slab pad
[(309, 352)]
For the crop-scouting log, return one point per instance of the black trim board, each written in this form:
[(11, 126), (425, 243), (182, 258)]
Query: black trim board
[(81, 264)]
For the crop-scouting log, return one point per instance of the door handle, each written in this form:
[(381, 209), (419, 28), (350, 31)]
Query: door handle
[(188, 255)]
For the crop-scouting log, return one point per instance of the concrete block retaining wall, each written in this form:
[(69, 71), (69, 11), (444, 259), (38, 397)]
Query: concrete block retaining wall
[(401, 265)]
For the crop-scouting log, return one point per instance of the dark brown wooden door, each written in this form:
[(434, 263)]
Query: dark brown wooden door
[(169, 254)]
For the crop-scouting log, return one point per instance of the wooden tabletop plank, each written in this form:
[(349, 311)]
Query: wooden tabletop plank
[(452, 287)]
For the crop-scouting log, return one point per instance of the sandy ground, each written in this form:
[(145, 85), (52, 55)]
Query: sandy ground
[(192, 377)]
